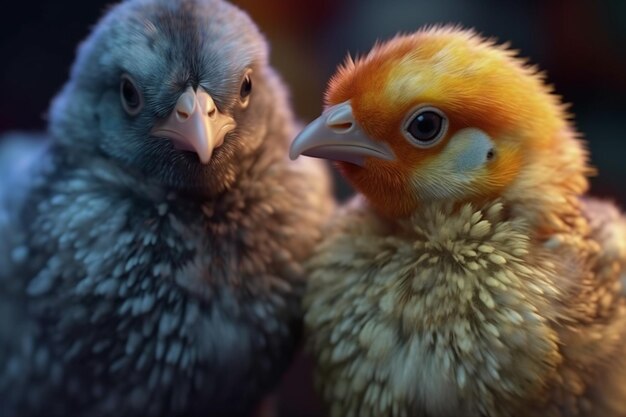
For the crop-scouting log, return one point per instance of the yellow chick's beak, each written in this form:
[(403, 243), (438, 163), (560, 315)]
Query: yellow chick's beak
[(195, 124), (337, 136)]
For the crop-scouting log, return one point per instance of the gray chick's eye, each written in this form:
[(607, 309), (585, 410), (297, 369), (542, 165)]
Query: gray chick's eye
[(245, 89), (131, 97), (426, 126)]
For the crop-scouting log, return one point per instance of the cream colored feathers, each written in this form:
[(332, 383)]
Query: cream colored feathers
[(460, 312)]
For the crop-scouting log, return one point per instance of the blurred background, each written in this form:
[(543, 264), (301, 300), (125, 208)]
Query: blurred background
[(581, 45)]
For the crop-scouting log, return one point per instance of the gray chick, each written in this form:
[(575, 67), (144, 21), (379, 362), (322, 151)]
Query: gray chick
[(150, 253)]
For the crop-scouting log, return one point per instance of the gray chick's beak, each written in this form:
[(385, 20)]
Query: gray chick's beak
[(336, 135), (195, 124)]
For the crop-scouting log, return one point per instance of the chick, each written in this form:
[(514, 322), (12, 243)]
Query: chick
[(470, 276), (160, 234)]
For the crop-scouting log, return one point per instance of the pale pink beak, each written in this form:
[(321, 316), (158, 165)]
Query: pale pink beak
[(195, 124)]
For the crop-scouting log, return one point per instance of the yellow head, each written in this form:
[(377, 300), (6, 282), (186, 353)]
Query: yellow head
[(435, 115)]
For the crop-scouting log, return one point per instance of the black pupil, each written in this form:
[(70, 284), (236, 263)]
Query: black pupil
[(425, 126), (246, 87), (129, 92)]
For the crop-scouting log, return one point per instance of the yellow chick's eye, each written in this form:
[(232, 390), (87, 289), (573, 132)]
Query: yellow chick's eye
[(425, 126)]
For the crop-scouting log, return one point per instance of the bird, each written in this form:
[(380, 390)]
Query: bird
[(153, 240), (471, 274)]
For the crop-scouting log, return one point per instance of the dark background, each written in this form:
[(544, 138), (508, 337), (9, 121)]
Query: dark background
[(580, 43)]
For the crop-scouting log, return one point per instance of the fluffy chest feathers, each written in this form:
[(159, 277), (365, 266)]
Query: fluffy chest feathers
[(172, 298), (110, 228), (449, 313)]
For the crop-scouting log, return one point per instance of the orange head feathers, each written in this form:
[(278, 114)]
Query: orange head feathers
[(438, 114)]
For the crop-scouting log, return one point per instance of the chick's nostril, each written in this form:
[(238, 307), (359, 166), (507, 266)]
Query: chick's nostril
[(182, 115), (341, 127)]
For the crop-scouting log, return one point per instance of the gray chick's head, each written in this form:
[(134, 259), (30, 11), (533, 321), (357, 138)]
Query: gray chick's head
[(177, 90)]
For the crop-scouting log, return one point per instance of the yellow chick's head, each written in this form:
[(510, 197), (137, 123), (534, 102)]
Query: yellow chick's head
[(443, 114)]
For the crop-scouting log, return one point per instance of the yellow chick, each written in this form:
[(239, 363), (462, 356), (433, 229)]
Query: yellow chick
[(470, 277)]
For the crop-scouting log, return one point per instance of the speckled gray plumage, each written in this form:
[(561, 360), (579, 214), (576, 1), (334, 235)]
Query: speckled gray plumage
[(141, 282)]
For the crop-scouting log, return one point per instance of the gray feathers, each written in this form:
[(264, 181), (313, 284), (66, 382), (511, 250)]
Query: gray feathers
[(140, 281)]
